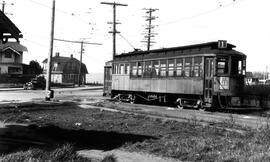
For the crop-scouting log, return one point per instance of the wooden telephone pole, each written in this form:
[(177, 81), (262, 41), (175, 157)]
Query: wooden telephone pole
[(114, 32), (149, 35), (49, 94)]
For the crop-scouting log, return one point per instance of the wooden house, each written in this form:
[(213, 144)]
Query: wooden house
[(11, 51), (66, 70)]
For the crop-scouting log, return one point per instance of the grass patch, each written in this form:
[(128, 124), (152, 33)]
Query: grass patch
[(186, 141), (65, 153)]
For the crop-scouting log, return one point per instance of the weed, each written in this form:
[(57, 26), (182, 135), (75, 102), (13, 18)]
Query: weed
[(230, 122), (193, 121), (109, 158)]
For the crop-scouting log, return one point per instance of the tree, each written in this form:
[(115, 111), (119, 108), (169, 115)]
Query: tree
[(35, 68)]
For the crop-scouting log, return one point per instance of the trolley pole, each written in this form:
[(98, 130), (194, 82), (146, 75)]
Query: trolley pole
[(114, 32), (49, 94)]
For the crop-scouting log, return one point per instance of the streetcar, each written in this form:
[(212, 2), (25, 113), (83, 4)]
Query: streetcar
[(202, 76)]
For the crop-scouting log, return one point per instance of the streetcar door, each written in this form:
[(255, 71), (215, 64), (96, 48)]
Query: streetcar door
[(208, 80)]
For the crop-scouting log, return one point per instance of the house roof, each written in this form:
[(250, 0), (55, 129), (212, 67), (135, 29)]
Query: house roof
[(62, 62), (8, 29), (14, 46)]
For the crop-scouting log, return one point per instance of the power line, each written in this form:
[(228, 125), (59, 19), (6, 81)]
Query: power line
[(34, 42), (71, 41), (203, 13), (58, 10)]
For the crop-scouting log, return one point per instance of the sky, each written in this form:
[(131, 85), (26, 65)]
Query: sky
[(243, 23)]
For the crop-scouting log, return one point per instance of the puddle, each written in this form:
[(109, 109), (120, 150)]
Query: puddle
[(19, 137)]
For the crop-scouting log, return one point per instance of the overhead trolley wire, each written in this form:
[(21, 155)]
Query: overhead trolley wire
[(202, 13)]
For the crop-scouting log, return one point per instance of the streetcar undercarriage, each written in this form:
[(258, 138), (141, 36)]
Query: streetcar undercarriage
[(178, 100)]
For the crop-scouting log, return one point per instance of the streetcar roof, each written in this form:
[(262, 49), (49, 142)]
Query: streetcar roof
[(204, 48)]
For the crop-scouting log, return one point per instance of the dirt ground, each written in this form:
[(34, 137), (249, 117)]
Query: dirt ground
[(96, 129)]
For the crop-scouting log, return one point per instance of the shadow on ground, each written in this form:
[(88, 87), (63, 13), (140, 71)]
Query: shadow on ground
[(15, 138)]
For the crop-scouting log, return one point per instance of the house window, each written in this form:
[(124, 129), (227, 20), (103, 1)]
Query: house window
[(13, 70), (8, 54), (55, 65), (72, 66)]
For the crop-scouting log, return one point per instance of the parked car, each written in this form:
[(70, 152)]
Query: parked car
[(38, 82)]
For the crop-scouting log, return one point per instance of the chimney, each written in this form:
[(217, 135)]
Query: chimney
[(57, 54), (71, 56)]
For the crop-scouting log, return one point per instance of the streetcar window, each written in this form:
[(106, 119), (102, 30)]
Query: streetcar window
[(244, 67), (156, 68), (139, 69), (147, 69), (133, 69), (197, 66), (222, 65), (239, 67), (236, 66), (127, 69), (163, 67), (171, 67), (187, 67), (179, 67), (121, 69), (115, 68)]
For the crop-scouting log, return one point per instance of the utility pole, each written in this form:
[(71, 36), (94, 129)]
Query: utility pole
[(80, 67), (149, 27), (4, 5), (114, 23), (81, 53), (49, 62)]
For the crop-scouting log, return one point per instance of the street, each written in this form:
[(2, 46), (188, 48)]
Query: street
[(20, 95), (88, 97)]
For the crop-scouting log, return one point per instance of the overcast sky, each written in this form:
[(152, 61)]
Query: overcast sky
[(243, 23)]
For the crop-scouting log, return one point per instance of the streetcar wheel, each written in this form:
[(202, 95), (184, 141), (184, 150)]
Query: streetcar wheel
[(202, 108), (179, 103), (132, 99)]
